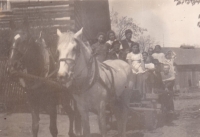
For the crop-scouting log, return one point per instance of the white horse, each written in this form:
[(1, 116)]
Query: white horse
[(94, 84)]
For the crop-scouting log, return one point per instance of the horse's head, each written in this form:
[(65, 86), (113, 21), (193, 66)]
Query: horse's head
[(69, 47), (20, 45)]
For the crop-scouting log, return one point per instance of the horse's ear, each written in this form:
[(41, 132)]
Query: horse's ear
[(40, 35), (59, 33), (78, 35)]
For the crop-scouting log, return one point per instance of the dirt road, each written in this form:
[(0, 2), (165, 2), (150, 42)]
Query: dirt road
[(187, 124)]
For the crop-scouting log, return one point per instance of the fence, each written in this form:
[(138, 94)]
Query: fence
[(12, 94)]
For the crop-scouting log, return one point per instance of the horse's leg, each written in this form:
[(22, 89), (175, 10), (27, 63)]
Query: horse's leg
[(124, 118), (125, 108), (117, 111), (70, 113), (84, 119), (53, 120), (66, 99), (35, 120), (102, 118)]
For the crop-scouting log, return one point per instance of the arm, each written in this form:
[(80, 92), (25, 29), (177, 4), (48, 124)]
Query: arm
[(142, 63), (130, 63)]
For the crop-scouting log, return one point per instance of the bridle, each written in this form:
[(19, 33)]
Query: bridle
[(73, 62)]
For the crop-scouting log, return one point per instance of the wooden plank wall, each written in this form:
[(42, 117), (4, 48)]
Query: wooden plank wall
[(40, 15)]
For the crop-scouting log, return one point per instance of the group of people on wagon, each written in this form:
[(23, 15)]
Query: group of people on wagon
[(153, 71)]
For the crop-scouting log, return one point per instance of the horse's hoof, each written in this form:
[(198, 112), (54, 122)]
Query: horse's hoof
[(71, 135)]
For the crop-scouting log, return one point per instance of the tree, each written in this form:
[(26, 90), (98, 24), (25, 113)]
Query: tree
[(193, 2), (146, 42), (121, 24)]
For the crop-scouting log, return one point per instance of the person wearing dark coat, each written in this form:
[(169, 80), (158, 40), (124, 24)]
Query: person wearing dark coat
[(127, 43), (99, 49), (115, 53)]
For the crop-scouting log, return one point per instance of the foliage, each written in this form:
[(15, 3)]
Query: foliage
[(121, 23), (146, 42), (193, 2)]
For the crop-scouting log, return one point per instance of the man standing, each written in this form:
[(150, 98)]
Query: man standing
[(168, 79), (127, 43)]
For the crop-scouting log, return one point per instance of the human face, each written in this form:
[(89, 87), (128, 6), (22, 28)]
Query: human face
[(135, 49), (157, 49), (112, 36), (128, 36), (116, 47), (150, 51), (145, 56), (101, 39), (168, 56), (166, 69)]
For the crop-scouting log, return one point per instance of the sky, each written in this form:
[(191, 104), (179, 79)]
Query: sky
[(167, 23)]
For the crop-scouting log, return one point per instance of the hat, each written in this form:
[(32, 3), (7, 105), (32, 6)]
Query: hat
[(128, 31)]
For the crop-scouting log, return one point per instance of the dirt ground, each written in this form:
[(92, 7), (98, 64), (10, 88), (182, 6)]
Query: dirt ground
[(186, 124)]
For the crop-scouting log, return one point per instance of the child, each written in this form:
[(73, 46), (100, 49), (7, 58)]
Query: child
[(149, 68), (136, 62), (168, 79), (158, 54)]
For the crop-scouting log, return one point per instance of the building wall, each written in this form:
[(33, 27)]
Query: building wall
[(93, 16), (184, 76)]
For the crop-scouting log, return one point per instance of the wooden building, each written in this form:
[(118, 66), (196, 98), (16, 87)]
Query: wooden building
[(46, 15), (187, 64)]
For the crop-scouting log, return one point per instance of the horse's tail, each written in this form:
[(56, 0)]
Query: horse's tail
[(77, 120)]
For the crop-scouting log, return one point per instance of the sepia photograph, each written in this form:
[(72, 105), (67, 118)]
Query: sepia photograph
[(99, 68)]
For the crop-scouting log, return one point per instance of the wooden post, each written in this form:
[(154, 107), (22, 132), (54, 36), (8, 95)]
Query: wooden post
[(8, 5)]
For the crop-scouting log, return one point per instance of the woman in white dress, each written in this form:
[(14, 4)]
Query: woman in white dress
[(136, 61)]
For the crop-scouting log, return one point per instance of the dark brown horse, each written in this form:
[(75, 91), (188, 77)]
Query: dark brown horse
[(29, 54)]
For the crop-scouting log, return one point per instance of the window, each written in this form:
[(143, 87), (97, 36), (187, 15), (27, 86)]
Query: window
[(4, 5)]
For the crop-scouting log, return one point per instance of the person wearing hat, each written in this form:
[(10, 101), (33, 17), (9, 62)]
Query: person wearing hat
[(99, 49), (127, 43)]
